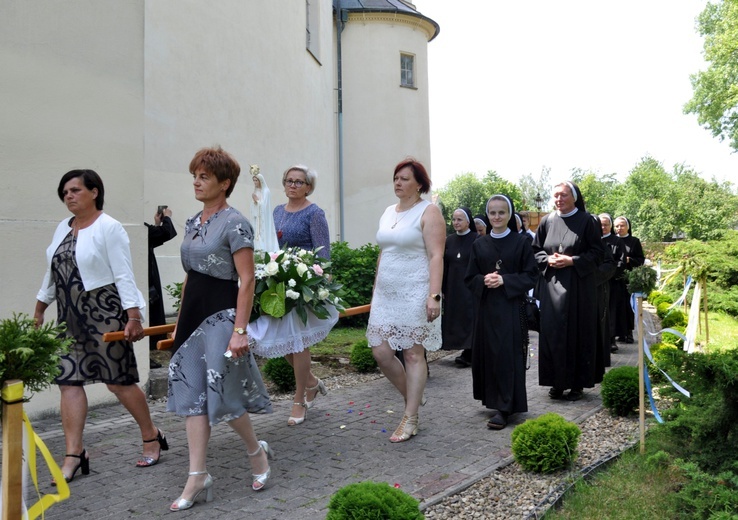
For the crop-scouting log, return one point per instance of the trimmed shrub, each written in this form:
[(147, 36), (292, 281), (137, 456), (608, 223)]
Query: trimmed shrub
[(372, 501), (362, 357), (280, 372), (620, 390), (675, 318), (545, 444), (662, 309), (661, 298), (668, 337), (652, 295)]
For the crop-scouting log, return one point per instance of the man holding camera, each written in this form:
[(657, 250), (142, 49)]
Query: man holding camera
[(161, 231)]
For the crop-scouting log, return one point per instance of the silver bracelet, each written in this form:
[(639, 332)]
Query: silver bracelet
[(136, 319)]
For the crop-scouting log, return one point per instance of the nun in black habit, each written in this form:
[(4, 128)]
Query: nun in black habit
[(633, 257), (569, 250), (502, 269), (457, 320)]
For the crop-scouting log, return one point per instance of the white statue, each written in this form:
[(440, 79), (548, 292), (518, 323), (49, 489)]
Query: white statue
[(265, 234)]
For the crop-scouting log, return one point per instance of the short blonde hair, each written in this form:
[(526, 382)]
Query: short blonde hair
[(311, 176)]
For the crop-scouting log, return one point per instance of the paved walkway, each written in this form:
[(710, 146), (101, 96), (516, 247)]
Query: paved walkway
[(344, 440)]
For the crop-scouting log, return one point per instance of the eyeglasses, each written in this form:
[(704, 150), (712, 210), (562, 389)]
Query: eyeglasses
[(296, 184)]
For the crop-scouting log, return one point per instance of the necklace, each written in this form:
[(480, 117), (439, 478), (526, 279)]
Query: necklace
[(404, 213)]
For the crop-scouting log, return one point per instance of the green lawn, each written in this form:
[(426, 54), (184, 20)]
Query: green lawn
[(339, 342)]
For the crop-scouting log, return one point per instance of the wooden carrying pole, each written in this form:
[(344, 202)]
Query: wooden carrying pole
[(12, 395), (165, 329), (641, 378)]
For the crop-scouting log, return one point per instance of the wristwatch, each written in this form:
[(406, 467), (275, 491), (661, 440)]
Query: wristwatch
[(240, 331), (436, 297)]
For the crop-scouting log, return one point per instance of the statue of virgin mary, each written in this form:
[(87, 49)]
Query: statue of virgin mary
[(265, 234)]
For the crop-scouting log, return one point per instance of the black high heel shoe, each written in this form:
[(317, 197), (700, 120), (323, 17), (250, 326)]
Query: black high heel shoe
[(146, 462), (84, 465)]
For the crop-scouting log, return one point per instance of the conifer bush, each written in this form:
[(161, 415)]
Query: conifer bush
[(280, 372), (362, 357), (620, 390), (372, 501), (545, 444)]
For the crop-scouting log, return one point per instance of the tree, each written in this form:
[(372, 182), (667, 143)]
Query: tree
[(467, 190), (665, 205), (494, 184), (646, 198), (463, 190), (535, 192), (715, 99), (598, 190), (705, 209)]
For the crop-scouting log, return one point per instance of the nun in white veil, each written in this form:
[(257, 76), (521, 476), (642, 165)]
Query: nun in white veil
[(265, 234)]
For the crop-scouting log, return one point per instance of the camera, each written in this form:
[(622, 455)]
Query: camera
[(160, 209)]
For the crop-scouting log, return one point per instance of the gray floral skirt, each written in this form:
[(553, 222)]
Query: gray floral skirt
[(202, 381)]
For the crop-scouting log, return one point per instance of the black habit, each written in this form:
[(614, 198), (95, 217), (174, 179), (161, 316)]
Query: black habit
[(458, 315), (568, 337), (633, 257), (498, 351), (607, 269), (157, 236)]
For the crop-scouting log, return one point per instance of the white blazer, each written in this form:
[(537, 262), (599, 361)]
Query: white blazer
[(103, 257)]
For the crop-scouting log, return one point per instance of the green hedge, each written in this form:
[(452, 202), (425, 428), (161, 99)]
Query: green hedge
[(355, 270)]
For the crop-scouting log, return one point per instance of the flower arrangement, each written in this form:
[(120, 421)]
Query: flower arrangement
[(294, 278)]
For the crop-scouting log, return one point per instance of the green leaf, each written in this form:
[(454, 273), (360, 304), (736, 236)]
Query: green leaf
[(272, 301)]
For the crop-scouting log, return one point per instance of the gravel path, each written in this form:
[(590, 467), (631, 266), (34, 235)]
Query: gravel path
[(512, 492)]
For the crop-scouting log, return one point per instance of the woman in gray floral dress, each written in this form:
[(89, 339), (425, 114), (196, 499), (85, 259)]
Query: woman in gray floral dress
[(212, 375)]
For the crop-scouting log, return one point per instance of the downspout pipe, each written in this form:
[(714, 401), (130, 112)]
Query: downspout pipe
[(339, 29)]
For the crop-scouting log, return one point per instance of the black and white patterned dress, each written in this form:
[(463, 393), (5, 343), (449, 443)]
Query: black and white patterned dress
[(88, 315), (201, 380)]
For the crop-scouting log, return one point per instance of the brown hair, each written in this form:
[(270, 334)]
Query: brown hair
[(218, 162), (419, 172)]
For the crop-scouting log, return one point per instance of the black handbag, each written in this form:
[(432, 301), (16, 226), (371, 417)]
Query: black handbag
[(532, 314)]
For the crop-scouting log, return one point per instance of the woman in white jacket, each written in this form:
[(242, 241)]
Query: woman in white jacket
[(90, 276)]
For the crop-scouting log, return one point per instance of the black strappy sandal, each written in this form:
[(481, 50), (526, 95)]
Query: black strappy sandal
[(84, 465), (146, 462)]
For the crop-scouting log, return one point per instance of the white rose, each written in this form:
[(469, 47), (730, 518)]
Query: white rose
[(292, 283), (301, 269), (323, 293), (292, 295), (306, 297), (271, 268), (302, 252)]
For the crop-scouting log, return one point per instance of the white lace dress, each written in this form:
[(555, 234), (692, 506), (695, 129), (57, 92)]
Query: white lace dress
[(398, 312)]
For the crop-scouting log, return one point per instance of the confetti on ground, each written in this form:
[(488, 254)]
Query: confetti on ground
[(361, 413), (390, 411), (384, 430), (350, 411), (351, 402), (397, 485), (343, 426), (374, 422)]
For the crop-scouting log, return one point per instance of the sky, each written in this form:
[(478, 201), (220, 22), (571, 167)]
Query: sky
[(516, 86)]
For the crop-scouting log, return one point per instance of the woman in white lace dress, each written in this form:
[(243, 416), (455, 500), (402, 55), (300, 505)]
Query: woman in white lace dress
[(406, 304)]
